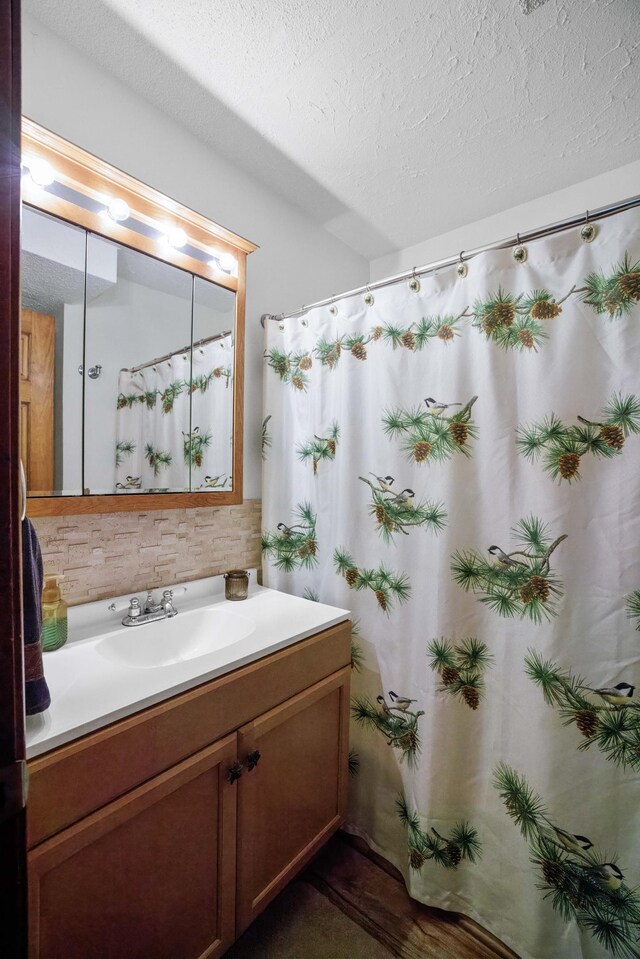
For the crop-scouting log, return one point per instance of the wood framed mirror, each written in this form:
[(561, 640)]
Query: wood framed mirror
[(132, 341)]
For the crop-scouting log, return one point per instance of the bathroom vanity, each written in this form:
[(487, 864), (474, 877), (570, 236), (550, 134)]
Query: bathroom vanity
[(163, 834)]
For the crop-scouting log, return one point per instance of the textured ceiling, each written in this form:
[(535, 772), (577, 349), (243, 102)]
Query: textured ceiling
[(387, 121)]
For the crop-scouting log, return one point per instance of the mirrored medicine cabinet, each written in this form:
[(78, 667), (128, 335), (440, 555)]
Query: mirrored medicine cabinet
[(132, 341)]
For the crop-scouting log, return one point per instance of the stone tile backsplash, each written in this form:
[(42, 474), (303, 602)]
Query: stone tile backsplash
[(111, 553)]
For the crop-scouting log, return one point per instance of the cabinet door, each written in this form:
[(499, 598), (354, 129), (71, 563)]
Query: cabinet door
[(149, 876), (295, 797)]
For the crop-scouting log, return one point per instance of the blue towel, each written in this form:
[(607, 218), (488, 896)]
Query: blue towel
[(36, 692)]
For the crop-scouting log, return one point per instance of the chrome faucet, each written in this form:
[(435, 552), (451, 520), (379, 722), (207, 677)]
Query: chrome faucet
[(152, 612)]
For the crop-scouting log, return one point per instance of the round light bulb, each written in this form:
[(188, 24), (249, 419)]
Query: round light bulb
[(227, 262), (118, 210), (41, 171), (177, 238)]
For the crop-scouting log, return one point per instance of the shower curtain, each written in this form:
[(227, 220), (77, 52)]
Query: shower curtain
[(456, 460), (175, 420)]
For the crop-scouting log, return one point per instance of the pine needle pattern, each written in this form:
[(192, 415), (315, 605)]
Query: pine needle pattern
[(461, 668), (388, 587), (320, 448), (520, 583), (614, 729), (562, 446), (266, 437), (448, 851), (633, 607), (292, 368), (157, 459), (129, 400), (431, 436), (516, 322), (201, 383), (124, 448), (399, 727), (416, 336), (395, 514), (296, 546), (413, 337), (357, 655), (582, 884), (329, 351), (173, 390), (170, 394), (194, 445), (615, 293)]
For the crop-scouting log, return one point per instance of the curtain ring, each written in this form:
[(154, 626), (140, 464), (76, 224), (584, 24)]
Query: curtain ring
[(368, 297), (589, 230), (519, 252), (462, 268), (333, 309), (414, 283)]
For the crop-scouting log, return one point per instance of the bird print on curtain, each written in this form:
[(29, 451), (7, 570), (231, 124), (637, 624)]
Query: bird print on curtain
[(457, 461)]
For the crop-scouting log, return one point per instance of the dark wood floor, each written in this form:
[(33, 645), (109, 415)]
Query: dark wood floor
[(371, 892)]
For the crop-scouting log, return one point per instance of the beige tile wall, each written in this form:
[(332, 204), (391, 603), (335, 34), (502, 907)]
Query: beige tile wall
[(112, 553)]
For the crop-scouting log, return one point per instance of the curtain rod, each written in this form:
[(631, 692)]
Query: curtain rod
[(519, 238), (185, 349)]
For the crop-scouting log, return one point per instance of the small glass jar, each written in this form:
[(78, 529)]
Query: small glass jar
[(236, 584)]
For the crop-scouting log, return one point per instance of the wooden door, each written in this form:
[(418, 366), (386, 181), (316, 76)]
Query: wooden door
[(37, 346), (149, 876), (13, 912), (295, 797)]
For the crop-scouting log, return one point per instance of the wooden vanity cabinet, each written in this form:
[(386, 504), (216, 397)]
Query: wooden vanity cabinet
[(295, 797), (180, 862), (150, 875)]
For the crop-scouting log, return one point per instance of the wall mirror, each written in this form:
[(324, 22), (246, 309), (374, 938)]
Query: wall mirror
[(132, 341)]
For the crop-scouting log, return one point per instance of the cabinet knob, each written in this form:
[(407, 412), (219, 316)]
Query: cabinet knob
[(234, 772), (252, 760)]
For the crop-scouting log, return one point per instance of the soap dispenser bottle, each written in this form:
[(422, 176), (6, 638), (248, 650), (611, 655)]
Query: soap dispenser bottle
[(54, 616)]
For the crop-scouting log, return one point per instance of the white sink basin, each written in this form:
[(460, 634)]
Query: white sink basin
[(176, 640)]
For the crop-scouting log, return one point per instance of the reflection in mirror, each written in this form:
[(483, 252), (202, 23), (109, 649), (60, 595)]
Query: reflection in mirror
[(212, 385), (113, 397), (52, 268), (137, 432)]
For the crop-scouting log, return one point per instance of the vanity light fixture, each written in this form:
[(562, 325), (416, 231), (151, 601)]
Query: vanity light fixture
[(224, 261), (40, 171), (176, 237), (118, 210)]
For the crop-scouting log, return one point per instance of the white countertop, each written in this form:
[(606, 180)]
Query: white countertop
[(89, 690)]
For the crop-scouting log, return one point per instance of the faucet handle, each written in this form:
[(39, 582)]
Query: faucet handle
[(167, 602), (134, 607)]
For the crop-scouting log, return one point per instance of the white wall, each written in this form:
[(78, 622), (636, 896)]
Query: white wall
[(297, 262), (618, 184)]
